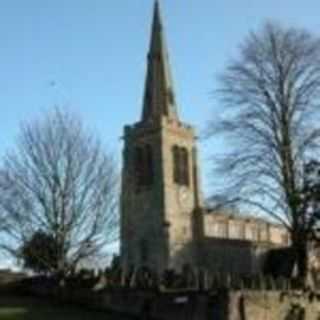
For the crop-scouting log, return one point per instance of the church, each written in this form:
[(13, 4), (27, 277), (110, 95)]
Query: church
[(164, 223)]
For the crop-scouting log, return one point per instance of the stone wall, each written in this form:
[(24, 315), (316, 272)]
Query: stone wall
[(274, 305), (7, 276), (196, 305), (233, 256)]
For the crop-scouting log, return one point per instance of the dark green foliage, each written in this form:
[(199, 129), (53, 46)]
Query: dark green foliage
[(40, 253), (310, 198), (279, 262)]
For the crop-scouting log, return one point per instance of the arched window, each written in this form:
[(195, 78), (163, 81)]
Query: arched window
[(184, 167), (143, 165), (180, 165), (176, 166)]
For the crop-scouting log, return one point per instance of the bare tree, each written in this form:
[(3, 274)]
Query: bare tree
[(270, 100), (59, 180)]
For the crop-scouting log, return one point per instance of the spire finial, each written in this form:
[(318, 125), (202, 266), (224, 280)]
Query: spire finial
[(159, 97), (157, 15)]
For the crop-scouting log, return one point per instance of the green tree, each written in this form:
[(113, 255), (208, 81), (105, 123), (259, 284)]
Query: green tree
[(40, 253)]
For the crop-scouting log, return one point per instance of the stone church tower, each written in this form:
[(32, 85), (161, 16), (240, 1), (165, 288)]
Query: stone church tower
[(160, 191)]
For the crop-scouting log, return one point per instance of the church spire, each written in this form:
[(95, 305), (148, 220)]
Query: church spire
[(159, 98)]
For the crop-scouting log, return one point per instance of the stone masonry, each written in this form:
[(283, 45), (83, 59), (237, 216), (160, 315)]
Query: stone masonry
[(163, 222)]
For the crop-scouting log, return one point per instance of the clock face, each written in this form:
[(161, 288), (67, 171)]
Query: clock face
[(184, 198)]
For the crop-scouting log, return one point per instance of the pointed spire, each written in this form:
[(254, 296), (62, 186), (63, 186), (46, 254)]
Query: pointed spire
[(159, 98)]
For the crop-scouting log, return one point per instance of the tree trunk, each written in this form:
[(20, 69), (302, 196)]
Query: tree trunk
[(300, 247)]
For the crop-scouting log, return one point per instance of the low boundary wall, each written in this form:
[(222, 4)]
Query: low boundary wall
[(223, 304)]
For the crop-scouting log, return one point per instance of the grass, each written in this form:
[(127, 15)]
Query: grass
[(17, 308)]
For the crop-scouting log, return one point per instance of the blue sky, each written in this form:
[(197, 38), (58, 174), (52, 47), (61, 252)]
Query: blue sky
[(89, 56)]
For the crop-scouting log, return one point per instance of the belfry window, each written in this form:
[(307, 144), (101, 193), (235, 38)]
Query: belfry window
[(143, 165), (180, 166), (176, 161), (184, 167)]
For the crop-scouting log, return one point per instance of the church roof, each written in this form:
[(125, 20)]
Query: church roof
[(159, 97)]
